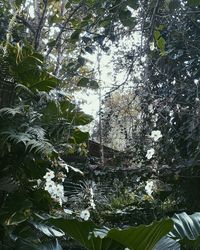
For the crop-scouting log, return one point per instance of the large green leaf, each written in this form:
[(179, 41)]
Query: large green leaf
[(80, 118), (143, 237), (44, 85), (25, 245), (187, 230), (47, 230), (79, 136), (186, 233), (126, 18), (167, 243), (83, 233)]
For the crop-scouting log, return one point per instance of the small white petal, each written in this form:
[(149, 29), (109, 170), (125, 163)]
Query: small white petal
[(49, 175)]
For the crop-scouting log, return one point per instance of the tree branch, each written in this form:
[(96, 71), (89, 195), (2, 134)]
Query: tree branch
[(63, 28), (26, 23), (39, 29)]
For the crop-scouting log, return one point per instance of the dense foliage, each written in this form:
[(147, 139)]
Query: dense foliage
[(45, 200)]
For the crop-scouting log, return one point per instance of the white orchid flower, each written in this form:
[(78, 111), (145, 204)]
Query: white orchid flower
[(156, 135), (150, 153)]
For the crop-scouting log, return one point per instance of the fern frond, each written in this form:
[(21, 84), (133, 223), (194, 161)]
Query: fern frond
[(36, 131), (30, 140), (39, 146), (11, 111), (12, 135)]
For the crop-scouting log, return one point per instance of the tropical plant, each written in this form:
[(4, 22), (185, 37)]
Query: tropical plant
[(37, 124), (180, 232)]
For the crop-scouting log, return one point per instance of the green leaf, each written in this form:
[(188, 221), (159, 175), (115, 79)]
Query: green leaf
[(187, 230), (161, 43), (29, 70), (133, 4), (44, 85), (17, 218), (86, 82), (174, 4), (126, 18), (82, 232), (167, 243), (54, 19), (194, 3), (50, 111), (17, 202), (47, 230), (41, 200), (81, 60), (75, 35), (18, 2), (83, 82), (94, 84), (80, 118), (143, 237), (89, 50), (29, 63), (185, 234), (157, 35), (90, 2), (25, 245), (79, 136)]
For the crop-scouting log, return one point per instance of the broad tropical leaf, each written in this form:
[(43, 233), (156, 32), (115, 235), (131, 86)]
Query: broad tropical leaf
[(187, 229), (167, 243), (83, 233), (25, 245), (186, 233), (143, 237)]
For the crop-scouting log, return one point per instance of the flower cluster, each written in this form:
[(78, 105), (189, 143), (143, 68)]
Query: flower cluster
[(56, 190), (155, 135)]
